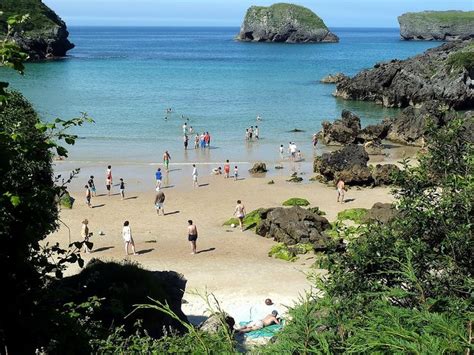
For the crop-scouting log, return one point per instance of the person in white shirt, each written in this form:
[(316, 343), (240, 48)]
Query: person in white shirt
[(257, 132), (127, 238), (195, 176), (185, 127)]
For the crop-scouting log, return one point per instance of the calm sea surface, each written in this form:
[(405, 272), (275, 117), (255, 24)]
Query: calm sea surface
[(125, 78)]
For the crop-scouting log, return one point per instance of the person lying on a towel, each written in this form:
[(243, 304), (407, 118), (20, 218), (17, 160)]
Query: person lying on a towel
[(259, 324)]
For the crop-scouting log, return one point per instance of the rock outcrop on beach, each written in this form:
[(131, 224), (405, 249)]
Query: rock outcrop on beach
[(284, 23), (258, 168), (444, 73), (384, 174), (437, 25), (294, 225), (380, 212), (216, 322), (44, 35)]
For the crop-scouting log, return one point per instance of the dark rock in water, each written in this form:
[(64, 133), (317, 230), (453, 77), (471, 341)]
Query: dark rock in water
[(293, 226), (380, 212), (444, 73), (374, 147), (296, 130), (411, 125), (284, 23), (258, 168), (216, 322), (383, 174), (333, 78), (437, 25), (342, 131), (43, 36), (295, 178), (122, 286), (348, 163)]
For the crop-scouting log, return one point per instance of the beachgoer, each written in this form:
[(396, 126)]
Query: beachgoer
[(282, 151), (196, 141), (247, 136), (85, 235), (340, 186), (108, 179), (239, 212), (122, 188), (226, 169), (315, 140), (159, 202), (202, 140), (299, 155), (250, 132), (259, 118), (185, 128), (217, 171), (195, 176), (236, 173), (185, 141), (208, 139), (166, 160), (262, 323), (92, 186), (191, 130), (127, 238), (158, 177), (192, 235), (88, 195), (257, 132), (292, 149)]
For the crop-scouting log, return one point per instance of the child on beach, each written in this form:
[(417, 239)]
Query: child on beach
[(236, 173), (195, 176), (158, 177), (226, 169), (88, 195), (92, 186), (282, 151), (196, 141), (127, 238), (85, 235), (239, 212), (108, 179), (122, 188)]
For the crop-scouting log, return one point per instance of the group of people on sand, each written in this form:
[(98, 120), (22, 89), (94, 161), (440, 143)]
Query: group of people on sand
[(218, 171), (252, 133), (91, 191)]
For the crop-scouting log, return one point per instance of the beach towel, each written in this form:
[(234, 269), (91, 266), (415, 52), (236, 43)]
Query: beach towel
[(266, 332)]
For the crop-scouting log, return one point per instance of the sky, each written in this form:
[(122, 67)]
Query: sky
[(335, 13)]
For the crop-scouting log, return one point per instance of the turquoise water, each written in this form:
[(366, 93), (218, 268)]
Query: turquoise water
[(125, 78)]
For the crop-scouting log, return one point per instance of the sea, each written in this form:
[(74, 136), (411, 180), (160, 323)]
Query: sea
[(126, 78)]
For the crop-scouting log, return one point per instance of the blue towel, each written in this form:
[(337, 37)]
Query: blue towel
[(265, 332)]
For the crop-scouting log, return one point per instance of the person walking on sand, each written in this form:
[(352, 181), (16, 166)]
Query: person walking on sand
[(127, 238), (166, 160), (85, 235), (159, 202), (195, 176), (236, 173), (159, 178), (122, 188), (226, 169), (239, 212), (92, 186), (88, 195), (192, 235), (185, 141), (340, 186), (108, 179)]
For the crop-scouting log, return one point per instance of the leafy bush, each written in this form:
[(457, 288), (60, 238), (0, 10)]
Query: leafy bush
[(296, 201), (353, 214)]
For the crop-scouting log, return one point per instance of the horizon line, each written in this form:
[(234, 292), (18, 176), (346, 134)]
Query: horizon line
[(208, 26)]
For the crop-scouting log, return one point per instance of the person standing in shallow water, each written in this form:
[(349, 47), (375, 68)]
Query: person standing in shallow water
[(192, 235), (166, 160), (185, 141)]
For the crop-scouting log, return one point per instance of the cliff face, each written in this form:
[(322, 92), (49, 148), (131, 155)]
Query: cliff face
[(284, 23), (444, 73), (437, 25), (44, 35)]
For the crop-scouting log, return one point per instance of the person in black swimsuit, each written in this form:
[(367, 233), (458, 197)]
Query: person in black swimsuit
[(192, 235)]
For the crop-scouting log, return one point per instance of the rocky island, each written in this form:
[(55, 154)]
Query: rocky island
[(43, 36), (444, 73), (437, 25), (283, 22)]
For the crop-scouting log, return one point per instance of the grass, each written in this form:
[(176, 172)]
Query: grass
[(442, 16), (250, 220), (281, 251), (353, 214), (462, 59), (296, 201)]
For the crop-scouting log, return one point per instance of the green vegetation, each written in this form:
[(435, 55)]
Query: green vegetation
[(353, 214), (250, 220), (317, 211), (447, 17), (278, 15), (281, 251), (296, 201), (462, 59)]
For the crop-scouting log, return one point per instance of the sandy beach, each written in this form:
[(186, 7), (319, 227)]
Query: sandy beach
[(231, 264)]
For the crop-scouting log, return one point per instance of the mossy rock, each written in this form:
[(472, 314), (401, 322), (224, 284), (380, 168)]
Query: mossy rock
[(295, 178), (281, 251), (317, 211), (296, 201), (250, 220), (353, 214), (66, 201)]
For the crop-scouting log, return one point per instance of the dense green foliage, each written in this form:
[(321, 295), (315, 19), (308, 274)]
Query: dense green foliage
[(355, 215), (462, 59), (447, 17), (251, 219), (296, 201)]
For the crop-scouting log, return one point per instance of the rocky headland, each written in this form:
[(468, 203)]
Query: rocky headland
[(437, 25), (444, 73), (284, 23), (43, 36)]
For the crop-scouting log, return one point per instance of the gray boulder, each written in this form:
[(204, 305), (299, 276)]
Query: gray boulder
[(216, 322), (383, 174), (374, 147), (333, 78), (284, 23), (258, 168), (380, 212), (342, 131)]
